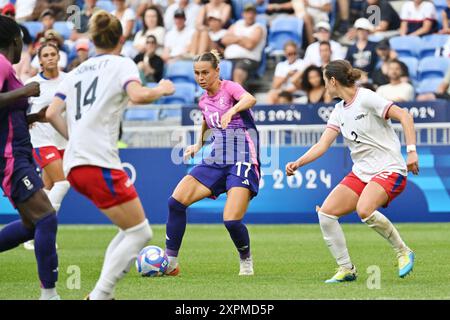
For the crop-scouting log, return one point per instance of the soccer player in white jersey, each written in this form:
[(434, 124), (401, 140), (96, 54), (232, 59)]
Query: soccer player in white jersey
[(379, 170), (94, 96), (48, 144)]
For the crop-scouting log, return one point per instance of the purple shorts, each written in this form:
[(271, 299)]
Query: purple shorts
[(221, 178), (19, 178)]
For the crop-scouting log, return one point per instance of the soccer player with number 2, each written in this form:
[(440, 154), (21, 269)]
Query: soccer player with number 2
[(231, 167), (94, 96), (379, 170)]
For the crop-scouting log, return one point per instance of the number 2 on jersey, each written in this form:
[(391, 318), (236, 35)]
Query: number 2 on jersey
[(89, 96)]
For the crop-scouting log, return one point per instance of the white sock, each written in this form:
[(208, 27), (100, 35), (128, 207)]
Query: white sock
[(57, 193), (386, 229), (111, 247), (121, 259), (335, 239), (48, 293)]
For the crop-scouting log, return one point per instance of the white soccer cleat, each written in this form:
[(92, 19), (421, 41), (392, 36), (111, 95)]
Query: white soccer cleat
[(246, 267), (29, 245)]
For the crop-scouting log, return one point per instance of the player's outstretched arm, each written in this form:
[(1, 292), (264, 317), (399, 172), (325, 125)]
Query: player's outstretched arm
[(30, 90), (54, 116), (407, 122), (246, 101), (315, 152), (142, 95)]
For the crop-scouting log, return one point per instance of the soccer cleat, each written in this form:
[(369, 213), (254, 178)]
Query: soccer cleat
[(405, 263), (29, 245), (173, 271), (246, 267), (343, 275)]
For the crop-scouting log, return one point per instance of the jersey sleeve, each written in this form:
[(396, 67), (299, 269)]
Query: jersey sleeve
[(235, 90), (128, 72), (429, 11), (63, 88), (376, 104), (333, 121)]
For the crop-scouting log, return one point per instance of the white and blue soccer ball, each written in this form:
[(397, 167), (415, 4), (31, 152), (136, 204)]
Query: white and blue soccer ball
[(152, 261)]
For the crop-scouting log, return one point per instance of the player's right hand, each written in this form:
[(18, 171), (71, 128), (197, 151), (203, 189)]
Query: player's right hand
[(167, 87), (32, 89), (191, 151), (291, 167)]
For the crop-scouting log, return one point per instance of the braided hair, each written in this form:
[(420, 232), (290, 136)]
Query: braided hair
[(9, 30)]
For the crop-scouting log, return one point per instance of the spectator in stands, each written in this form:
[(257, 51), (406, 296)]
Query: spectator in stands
[(389, 23), (211, 38), (277, 7), (190, 8), (82, 48), (325, 53), (54, 37), (312, 12), (385, 54), (48, 20), (150, 65), (313, 84), (323, 33), (396, 90), (24, 10), (58, 7), (285, 97), (442, 92), (344, 16), (362, 54), (178, 39), (153, 24), (80, 31), (126, 16), (419, 18), (244, 44), (445, 19), (284, 72), (215, 7)]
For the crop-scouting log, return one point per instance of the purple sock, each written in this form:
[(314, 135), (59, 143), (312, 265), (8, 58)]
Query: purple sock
[(175, 227), (239, 234), (14, 234), (45, 250)]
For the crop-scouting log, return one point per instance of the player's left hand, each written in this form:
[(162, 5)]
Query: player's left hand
[(412, 162), (226, 118)]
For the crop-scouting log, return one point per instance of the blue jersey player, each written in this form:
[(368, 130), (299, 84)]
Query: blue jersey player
[(232, 166)]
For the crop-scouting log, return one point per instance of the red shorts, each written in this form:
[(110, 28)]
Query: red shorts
[(106, 188), (393, 183), (46, 155)]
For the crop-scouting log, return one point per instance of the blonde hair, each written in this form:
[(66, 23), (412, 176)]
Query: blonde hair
[(213, 56), (105, 30)]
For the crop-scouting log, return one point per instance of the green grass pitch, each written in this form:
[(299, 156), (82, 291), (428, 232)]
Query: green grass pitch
[(291, 262)]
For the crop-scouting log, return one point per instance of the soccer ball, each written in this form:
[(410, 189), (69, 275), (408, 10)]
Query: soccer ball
[(152, 261)]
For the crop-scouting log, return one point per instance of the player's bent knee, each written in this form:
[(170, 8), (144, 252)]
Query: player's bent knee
[(364, 210)]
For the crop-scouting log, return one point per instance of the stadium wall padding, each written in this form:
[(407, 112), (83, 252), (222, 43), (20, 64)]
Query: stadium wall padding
[(280, 200)]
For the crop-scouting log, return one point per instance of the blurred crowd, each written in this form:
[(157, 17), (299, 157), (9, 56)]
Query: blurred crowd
[(158, 33)]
